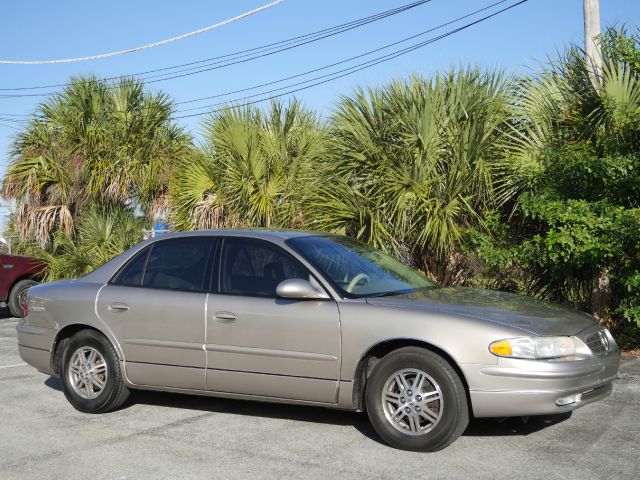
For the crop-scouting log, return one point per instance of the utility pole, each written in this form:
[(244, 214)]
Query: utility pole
[(591, 38)]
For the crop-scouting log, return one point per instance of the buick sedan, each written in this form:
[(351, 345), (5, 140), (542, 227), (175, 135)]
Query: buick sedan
[(311, 319)]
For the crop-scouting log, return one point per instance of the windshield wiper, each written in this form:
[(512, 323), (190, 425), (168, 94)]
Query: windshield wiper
[(391, 293)]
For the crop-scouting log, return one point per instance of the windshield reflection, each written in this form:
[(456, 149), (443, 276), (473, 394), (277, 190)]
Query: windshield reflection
[(358, 270)]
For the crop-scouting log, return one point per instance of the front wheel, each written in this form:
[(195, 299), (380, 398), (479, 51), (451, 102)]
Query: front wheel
[(416, 400), (90, 374)]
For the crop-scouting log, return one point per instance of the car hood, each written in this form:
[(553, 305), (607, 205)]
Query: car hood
[(526, 313)]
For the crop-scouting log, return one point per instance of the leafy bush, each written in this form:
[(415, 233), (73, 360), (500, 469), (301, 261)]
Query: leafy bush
[(571, 232), (102, 233)]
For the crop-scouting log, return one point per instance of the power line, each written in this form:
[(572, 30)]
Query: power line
[(365, 65), (144, 47), (12, 120), (245, 58), (8, 126), (332, 64), (241, 56), (346, 71)]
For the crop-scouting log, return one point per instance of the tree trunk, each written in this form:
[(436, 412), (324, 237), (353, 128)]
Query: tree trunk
[(601, 296)]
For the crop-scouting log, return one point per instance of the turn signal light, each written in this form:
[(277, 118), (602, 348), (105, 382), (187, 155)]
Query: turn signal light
[(502, 348)]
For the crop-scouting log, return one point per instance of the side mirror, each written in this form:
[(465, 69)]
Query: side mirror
[(299, 288)]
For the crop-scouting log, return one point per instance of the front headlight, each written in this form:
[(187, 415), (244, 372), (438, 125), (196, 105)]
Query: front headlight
[(541, 348)]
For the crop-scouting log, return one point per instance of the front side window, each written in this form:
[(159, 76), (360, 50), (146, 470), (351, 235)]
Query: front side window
[(358, 270), (178, 264), (255, 267)]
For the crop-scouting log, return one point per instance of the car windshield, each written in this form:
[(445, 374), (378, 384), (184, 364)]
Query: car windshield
[(357, 270)]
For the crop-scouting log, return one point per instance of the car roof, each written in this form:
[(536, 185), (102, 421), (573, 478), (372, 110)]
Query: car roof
[(251, 233)]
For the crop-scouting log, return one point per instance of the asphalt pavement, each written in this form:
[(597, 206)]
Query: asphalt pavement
[(169, 436)]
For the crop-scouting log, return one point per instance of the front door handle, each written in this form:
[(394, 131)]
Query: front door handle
[(225, 316), (118, 307)]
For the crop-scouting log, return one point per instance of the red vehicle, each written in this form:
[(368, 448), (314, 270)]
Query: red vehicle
[(17, 274)]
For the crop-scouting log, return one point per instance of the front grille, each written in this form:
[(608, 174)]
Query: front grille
[(598, 342)]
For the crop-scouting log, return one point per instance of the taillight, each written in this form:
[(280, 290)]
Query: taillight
[(25, 307)]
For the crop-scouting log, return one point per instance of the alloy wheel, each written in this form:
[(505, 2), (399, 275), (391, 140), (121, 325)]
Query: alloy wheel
[(87, 372), (412, 401)]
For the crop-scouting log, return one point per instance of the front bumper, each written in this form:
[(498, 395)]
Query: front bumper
[(518, 403), (516, 387)]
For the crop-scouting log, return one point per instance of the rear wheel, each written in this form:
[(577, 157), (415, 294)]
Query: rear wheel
[(90, 374), (18, 296), (416, 400)]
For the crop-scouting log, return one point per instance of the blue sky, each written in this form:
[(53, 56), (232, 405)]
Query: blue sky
[(40, 29)]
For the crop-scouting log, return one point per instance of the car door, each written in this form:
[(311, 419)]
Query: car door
[(259, 344), (155, 306)]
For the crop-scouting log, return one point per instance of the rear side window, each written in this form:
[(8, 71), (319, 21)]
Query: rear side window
[(255, 268), (131, 274), (178, 264)]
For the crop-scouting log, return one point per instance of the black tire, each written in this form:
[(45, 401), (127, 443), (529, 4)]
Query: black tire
[(114, 393), (16, 295), (455, 412)]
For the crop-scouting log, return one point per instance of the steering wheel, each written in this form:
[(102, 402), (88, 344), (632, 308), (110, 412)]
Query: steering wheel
[(355, 280)]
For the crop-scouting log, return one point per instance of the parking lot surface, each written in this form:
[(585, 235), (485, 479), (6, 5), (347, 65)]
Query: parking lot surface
[(168, 436)]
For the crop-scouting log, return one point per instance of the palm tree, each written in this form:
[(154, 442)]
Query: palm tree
[(250, 170), (414, 164), (95, 142), (102, 233), (560, 104)]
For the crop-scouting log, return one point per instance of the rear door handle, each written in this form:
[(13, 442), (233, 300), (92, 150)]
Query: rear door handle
[(118, 307), (225, 316)]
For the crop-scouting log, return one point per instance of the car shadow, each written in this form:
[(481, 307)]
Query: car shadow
[(53, 383), (478, 427), (300, 413), (513, 426)]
